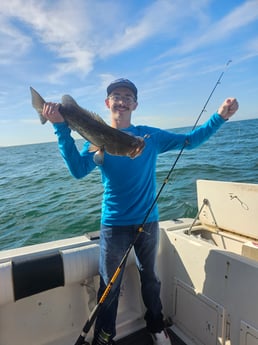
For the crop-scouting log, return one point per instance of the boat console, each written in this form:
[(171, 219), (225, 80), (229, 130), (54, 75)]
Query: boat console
[(214, 266)]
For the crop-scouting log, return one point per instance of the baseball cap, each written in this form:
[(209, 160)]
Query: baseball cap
[(122, 83)]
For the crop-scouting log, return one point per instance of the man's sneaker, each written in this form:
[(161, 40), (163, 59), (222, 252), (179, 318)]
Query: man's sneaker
[(103, 338), (161, 338), (110, 342)]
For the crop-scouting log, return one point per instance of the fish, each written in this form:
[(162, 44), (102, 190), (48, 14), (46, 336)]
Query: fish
[(93, 128)]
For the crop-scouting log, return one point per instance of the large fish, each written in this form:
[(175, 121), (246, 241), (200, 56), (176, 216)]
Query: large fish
[(93, 128)]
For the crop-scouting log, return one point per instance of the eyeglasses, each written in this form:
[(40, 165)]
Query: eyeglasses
[(125, 99)]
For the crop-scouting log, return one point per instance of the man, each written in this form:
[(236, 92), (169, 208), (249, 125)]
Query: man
[(129, 191)]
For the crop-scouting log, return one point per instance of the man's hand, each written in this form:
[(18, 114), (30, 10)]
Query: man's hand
[(228, 108), (51, 112)]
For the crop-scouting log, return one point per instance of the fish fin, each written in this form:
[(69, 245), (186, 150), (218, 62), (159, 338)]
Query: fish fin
[(38, 103), (68, 100), (93, 148), (96, 117), (98, 157)]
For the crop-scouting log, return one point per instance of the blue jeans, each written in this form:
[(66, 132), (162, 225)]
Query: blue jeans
[(114, 241)]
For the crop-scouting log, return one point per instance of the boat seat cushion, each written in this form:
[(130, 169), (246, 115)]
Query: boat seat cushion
[(37, 274)]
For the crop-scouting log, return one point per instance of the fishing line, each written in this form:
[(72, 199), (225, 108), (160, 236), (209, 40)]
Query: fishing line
[(95, 311)]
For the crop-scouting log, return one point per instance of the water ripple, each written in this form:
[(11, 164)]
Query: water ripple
[(40, 201)]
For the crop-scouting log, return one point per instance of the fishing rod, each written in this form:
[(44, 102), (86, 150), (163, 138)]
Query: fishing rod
[(183, 147), (93, 315)]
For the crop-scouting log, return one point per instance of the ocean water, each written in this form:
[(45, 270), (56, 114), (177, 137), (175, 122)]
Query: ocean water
[(40, 201)]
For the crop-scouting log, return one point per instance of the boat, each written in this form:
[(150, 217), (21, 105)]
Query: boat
[(208, 267)]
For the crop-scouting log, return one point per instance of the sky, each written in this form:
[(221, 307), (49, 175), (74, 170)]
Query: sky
[(173, 50)]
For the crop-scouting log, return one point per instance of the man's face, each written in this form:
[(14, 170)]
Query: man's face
[(121, 101)]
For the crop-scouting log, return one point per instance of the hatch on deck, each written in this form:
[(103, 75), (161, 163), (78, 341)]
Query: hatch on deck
[(228, 215)]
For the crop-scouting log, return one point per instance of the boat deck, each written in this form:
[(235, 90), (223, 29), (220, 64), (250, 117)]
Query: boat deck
[(142, 337)]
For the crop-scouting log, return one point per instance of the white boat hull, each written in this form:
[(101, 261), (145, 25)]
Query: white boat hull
[(209, 281)]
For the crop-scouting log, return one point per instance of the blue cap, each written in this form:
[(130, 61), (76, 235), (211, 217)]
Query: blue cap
[(122, 83)]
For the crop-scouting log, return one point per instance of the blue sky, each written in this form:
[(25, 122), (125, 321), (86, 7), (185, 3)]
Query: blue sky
[(173, 50)]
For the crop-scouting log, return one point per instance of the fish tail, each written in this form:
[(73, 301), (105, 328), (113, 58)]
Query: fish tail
[(38, 103)]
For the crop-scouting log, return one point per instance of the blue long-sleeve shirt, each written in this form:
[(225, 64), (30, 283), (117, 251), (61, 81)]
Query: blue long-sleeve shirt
[(130, 184)]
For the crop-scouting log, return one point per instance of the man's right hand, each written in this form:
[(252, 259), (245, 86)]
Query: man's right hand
[(51, 112)]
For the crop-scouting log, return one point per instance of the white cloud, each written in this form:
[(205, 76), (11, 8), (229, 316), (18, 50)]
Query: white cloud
[(11, 40), (153, 20), (161, 17), (62, 27), (229, 25), (70, 29)]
